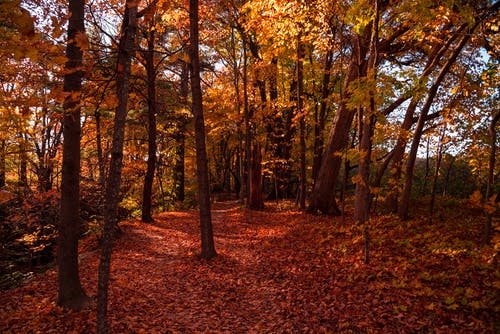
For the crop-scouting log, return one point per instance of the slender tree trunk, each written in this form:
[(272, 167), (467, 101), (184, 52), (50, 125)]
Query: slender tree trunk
[(100, 154), (367, 123), (70, 292), (152, 109), (248, 130), (125, 51), (207, 241), (402, 140), (180, 138), (302, 123), (439, 157), (2, 163), (404, 203), (488, 227)]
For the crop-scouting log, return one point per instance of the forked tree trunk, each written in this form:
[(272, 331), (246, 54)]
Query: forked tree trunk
[(70, 292), (404, 203), (323, 195), (207, 240), (125, 52)]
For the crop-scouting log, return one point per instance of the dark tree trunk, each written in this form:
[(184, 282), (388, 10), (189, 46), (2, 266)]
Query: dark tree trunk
[(180, 137), (70, 292), (404, 203), (436, 175), (125, 52), (323, 195), (256, 200), (100, 154), (319, 126), (2, 163), (152, 106), (302, 124), (207, 241), (488, 227)]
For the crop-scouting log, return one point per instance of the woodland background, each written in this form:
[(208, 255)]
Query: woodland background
[(357, 109)]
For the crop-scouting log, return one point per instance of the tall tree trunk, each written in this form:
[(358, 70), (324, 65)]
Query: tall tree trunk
[(180, 137), (207, 241), (488, 228), (70, 292), (152, 108), (402, 139), (100, 154), (125, 51), (439, 157), (2, 163), (404, 203), (319, 126), (323, 195), (302, 123), (367, 123), (248, 130)]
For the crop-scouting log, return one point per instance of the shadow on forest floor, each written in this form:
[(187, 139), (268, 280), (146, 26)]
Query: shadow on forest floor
[(278, 271)]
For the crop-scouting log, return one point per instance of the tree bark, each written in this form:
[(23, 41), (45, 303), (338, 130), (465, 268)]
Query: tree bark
[(125, 52), (70, 292), (152, 109), (256, 200), (323, 195), (302, 123), (319, 126), (207, 241), (488, 227), (404, 203), (2, 163), (180, 137)]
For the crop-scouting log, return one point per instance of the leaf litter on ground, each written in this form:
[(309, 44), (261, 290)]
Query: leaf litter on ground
[(277, 271)]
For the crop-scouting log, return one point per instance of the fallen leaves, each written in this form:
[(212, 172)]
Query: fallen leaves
[(277, 272)]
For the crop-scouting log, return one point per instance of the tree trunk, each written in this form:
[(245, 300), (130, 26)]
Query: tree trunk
[(439, 158), (323, 195), (70, 292), (2, 163), (488, 227), (180, 137), (152, 106), (207, 241), (302, 123), (319, 126), (125, 52), (256, 200), (404, 203)]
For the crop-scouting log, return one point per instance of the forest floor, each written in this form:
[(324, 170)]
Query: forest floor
[(279, 271)]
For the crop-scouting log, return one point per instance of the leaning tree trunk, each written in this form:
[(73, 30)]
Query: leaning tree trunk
[(323, 195), (70, 292), (151, 164), (125, 52), (404, 203), (207, 240)]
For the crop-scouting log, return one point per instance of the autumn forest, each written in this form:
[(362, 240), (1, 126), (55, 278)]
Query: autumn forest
[(249, 166)]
